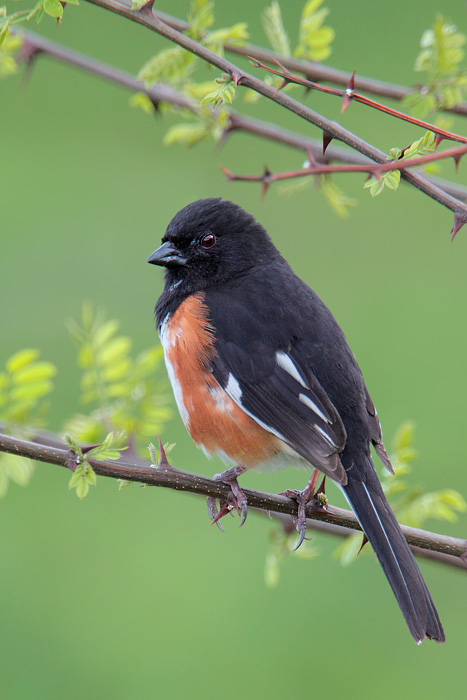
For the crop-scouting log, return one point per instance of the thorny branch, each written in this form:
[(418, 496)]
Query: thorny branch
[(330, 129), (350, 93), (313, 70), (448, 550), (34, 46)]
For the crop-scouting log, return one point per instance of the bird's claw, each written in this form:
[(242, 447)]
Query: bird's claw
[(302, 499), (235, 500)]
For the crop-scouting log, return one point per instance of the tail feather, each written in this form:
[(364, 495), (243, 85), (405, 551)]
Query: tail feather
[(365, 495)]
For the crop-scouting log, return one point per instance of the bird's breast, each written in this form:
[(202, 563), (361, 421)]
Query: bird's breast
[(215, 422)]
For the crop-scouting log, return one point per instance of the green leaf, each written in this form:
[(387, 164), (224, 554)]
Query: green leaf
[(200, 17), (82, 489), (142, 101), (236, 35), (274, 29), (16, 469), (53, 8), (21, 359), (186, 134), (171, 66), (76, 478), (34, 373), (114, 351), (336, 197), (31, 392), (315, 39), (223, 94)]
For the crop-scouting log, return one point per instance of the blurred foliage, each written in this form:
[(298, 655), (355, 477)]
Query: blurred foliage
[(125, 391), (25, 383), (130, 404), (440, 57), (412, 507)]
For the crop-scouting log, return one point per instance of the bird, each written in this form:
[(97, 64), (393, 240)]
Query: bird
[(263, 377)]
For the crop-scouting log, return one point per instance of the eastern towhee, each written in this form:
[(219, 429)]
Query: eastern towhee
[(263, 377)]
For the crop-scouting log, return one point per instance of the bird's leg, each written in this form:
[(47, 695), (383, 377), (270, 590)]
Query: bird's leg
[(236, 498), (303, 498)]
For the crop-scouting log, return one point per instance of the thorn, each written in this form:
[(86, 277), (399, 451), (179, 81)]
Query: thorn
[(327, 138), (364, 541), (283, 84), (376, 172), (88, 448), (223, 140), (278, 63), (228, 173), (147, 7), (321, 488), (349, 93), (72, 461), (236, 77), (156, 105), (253, 62), (163, 460), (27, 55), (438, 139), (457, 161), (459, 221), (265, 182)]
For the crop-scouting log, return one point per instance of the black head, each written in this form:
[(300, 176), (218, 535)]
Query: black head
[(210, 240)]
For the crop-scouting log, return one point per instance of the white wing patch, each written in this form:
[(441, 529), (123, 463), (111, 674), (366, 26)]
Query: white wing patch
[(311, 404), (233, 389), (325, 436), (284, 361)]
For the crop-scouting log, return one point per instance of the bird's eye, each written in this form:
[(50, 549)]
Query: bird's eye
[(208, 240)]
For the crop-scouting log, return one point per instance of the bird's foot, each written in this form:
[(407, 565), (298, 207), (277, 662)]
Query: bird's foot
[(235, 500), (304, 497)]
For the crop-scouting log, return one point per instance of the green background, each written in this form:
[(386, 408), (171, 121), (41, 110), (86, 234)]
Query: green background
[(131, 594)]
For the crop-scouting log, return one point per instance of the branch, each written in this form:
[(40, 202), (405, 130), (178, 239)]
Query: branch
[(146, 18), (370, 168), (34, 46), (350, 94), (167, 477), (316, 71)]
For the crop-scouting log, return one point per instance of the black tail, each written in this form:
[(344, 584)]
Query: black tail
[(374, 513)]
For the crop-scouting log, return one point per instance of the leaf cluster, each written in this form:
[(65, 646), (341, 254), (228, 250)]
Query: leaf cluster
[(421, 147), (122, 388), (25, 383), (440, 58), (176, 67)]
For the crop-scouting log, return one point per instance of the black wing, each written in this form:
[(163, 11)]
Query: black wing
[(259, 364)]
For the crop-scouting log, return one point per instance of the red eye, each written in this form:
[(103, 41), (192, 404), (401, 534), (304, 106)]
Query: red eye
[(208, 240)]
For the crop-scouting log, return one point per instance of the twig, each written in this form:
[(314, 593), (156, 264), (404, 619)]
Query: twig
[(350, 93), (316, 71), (183, 481), (146, 18), (374, 169)]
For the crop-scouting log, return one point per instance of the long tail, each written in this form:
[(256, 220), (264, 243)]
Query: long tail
[(365, 495)]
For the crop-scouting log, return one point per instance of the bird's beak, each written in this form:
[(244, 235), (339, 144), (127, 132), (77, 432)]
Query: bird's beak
[(167, 255)]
